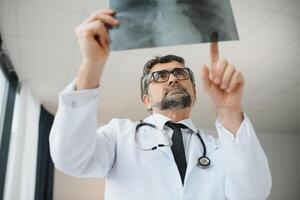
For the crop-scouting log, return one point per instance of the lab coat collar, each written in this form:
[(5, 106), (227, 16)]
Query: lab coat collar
[(159, 120)]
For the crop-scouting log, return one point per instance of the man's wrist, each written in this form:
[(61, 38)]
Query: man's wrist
[(88, 77), (231, 119)]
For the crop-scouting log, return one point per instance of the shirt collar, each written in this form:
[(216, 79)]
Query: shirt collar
[(159, 120)]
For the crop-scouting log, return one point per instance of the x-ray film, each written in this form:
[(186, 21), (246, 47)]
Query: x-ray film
[(157, 23)]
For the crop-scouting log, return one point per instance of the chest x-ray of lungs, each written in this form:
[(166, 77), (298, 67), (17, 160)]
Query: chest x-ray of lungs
[(156, 23)]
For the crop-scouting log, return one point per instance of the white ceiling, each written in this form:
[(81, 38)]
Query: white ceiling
[(39, 37)]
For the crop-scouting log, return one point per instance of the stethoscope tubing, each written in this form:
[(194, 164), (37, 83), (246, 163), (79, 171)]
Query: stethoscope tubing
[(203, 161)]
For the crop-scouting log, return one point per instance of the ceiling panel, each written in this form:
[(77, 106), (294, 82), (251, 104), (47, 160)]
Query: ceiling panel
[(59, 26), (8, 18), (12, 47), (276, 32), (245, 21), (94, 5), (65, 5), (271, 5), (273, 68), (31, 54), (56, 55), (292, 46), (292, 8), (29, 20), (279, 85)]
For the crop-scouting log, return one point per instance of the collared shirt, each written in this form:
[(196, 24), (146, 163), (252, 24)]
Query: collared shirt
[(160, 120)]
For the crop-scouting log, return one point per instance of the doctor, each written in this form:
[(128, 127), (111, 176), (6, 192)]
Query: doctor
[(237, 168)]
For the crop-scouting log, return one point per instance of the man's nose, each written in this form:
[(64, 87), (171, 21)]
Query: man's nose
[(172, 79)]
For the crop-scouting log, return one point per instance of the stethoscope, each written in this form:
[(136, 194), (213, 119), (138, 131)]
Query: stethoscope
[(203, 161)]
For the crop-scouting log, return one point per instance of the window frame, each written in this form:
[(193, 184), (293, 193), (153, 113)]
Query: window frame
[(13, 88), (3, 101)]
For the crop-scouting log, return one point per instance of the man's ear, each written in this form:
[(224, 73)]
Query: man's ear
[(146, 101), (195, 92)]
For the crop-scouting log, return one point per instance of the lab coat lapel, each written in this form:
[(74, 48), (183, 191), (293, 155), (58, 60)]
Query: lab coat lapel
[(196, 151), (159, 120), (167, 152)]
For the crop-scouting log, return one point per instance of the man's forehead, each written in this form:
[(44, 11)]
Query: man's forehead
[(167, 66)]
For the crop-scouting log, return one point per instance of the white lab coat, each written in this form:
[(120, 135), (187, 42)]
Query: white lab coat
[(239, 168)]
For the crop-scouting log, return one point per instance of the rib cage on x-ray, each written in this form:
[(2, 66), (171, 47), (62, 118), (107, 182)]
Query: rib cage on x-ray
[(154, 23)]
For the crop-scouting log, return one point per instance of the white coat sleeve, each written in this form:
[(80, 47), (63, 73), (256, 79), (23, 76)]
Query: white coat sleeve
[(76, 147), (247, 173)]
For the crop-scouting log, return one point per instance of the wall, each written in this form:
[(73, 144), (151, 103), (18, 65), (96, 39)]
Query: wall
[(283, 151)]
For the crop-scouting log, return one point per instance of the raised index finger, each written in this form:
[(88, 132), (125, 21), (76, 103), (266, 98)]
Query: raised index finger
[(214, 53), (214, 50)]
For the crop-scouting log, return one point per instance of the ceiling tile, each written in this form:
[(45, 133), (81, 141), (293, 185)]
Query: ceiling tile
[(291, 64), (56, 54), (34, 67), (245, 21), (276, 32), (110, 74), (74, 63), (29, 18), (120, 87), (31, 54), (8, 18), (45, 91), (66, 5), (47, 75), (292, 8), (273, 68), (59, 26), (272, 5), (132, 65), (94, 5), (293, 72), (292, 46), (12, 47), (279, 85), (108, 111), (267, 39)]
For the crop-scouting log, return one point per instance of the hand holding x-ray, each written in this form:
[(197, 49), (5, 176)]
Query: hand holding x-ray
[(93, 38)]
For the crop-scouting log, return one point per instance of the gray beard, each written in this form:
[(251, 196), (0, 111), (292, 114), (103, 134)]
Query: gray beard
[(182, 100)]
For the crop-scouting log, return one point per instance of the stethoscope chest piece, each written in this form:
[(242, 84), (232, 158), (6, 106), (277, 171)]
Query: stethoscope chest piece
[(203, 162)]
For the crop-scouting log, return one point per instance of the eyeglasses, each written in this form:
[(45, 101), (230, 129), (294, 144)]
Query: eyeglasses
[(163, 75)]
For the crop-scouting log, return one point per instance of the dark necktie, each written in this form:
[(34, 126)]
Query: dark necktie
[(178, 148)]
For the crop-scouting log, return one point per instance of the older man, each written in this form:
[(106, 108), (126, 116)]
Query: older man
[(165, 156)]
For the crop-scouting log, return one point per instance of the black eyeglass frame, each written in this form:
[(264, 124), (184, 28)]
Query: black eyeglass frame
[(187, 70)]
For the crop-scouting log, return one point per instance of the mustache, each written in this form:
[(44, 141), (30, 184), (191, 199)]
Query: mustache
[(174, 86)]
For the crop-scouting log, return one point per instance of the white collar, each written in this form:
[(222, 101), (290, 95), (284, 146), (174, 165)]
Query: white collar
[(159, 120)]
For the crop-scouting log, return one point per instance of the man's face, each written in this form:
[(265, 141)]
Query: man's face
[(171, 94)]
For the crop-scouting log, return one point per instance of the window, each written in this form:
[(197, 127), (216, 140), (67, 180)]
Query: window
[(3, 97), (8, 88)]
